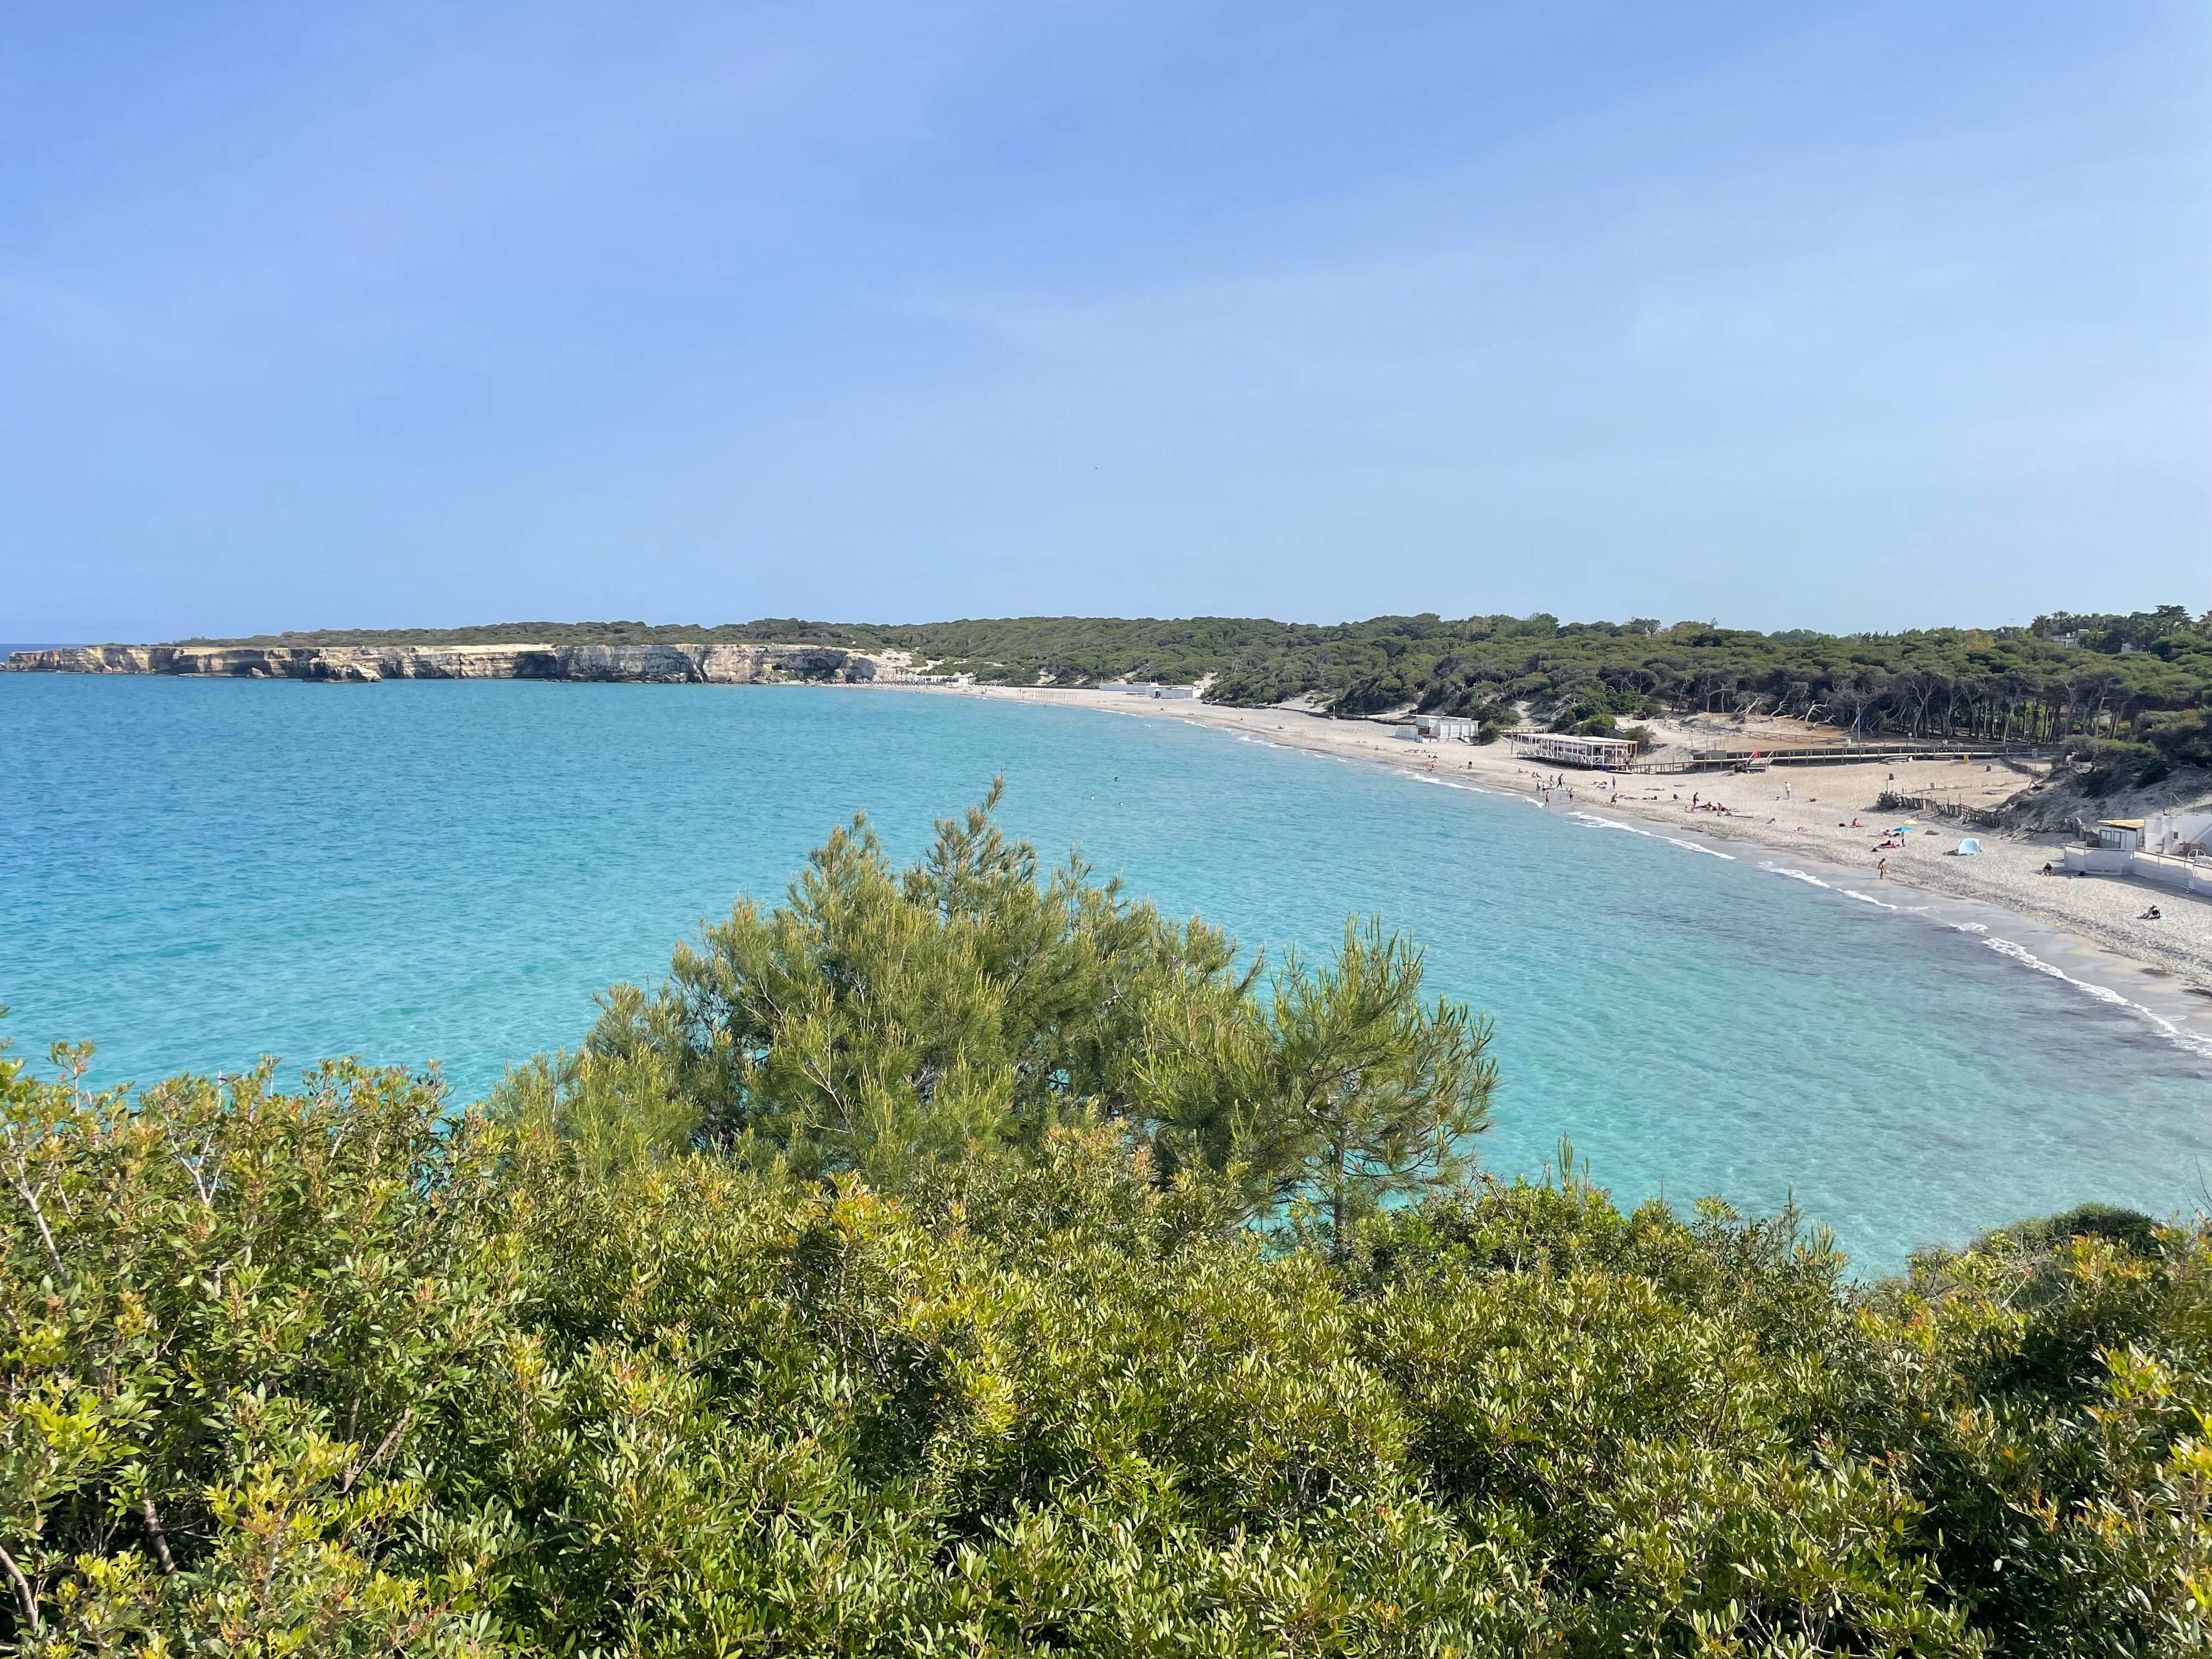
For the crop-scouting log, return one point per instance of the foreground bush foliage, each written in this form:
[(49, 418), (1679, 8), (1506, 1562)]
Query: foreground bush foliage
[(923, 1028), (623, 1362)]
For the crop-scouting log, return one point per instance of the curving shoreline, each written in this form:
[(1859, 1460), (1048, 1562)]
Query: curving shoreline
[(2093, 920), (2098, 919)]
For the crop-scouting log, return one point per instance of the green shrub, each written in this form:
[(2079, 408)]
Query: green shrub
[(2184, 739), (2131, 1229)]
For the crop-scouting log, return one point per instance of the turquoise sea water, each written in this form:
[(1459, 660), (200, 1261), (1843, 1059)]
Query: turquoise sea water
[(195, 872)]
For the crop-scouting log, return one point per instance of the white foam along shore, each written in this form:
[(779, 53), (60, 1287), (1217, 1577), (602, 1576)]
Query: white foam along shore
[(1814, 823)]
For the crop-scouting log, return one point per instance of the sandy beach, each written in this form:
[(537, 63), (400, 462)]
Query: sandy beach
[(1824, 814)]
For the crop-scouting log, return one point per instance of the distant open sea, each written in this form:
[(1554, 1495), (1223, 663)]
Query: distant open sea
[(194, 873)]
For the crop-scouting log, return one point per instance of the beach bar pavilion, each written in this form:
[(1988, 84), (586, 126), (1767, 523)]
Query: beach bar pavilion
[(1601, 754)]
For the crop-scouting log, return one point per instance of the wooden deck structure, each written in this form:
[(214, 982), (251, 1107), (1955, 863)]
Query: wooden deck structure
[(1707, 760), (1591, 754)]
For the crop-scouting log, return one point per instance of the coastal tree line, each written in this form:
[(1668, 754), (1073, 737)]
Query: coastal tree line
[(2143, 679), (967, 1259)]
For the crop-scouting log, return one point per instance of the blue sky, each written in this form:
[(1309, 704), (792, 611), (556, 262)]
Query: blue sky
[(408, 315)]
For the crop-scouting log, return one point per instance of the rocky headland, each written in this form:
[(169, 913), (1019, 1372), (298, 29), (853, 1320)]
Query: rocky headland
[(708, 665)]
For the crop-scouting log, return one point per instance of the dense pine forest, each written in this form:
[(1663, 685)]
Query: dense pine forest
[(2143, 679), (967, 1259)]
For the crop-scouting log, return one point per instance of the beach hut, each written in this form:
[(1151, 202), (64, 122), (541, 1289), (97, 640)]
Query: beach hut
[(1602, 754)]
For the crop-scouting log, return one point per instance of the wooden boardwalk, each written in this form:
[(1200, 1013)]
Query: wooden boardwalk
[(1714, 760)]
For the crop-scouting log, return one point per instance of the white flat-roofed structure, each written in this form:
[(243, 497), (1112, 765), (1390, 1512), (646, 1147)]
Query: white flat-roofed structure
[(1150, 688), (2185, 835), (1598, 754), (2123, 834), (1444, 725)]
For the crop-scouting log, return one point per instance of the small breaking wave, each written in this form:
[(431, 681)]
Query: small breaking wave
[(1596, 822), (1798, 875), (1709, 852), (1900, 909)]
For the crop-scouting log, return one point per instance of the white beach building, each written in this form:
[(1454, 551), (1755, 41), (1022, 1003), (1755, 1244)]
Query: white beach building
[(1556, 749), (1444, 727), (1150, 688), (2178, 834), (2170, 849)]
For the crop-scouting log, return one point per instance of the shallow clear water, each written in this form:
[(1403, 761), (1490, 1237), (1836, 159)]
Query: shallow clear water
[(194, 873)]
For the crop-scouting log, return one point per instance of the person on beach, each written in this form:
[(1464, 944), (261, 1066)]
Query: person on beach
[(2151, 914), (1882, 870)]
